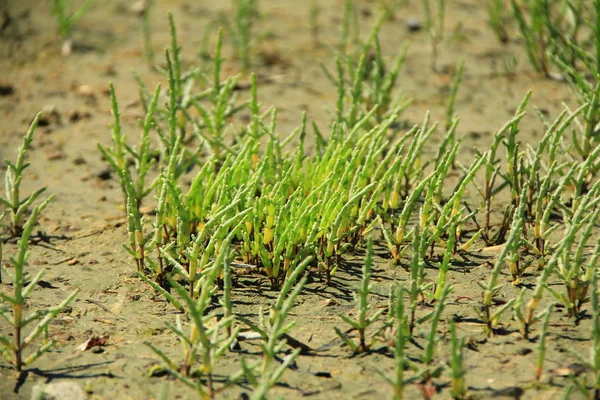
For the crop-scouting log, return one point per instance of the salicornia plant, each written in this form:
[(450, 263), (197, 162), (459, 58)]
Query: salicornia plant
[(397, 337), (457, 364), (274, 330), (206, 341), (434, 23), (246, 14), (67, 20), (25, 328), (16, 205), (363, 320)]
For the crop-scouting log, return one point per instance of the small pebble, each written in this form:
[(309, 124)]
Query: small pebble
[(67, 48), (574, 369), (6, 90), (50, 116), (413, 25), (86, 91), (58, 391), (104, 175), (75, 115), (512, 392), (139, 7), (147, 210), (57, 155), (524, 351)]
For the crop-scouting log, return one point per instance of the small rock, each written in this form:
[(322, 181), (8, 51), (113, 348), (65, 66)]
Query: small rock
[(556, 76), (413, 25), (235, 346), (79, 161), (139, 7), (512, 392), (148, 210), (110, 70), (6, 89), (57, 155), (86, 91), (75, 115), (50, 116), (574, 369), (524, 351), (67, 48), (329, 302), (63, 390), (104, 175)]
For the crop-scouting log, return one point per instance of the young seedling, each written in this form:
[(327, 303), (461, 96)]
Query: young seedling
[(398, 339), (542, 344), (206, 340), (450, 114), (313, 22), (350, 27), (572, 267), (593, 363), (274, 330), (492, 172), (144, 14), (428, 372), (17, 206), (434, 317), (246, 13), (67, 20), (498, 19), (492, 288), (534, 33), (363, 320), (212, 125), (418, 286), (12, 306), (457, 364), (435, 27), (365, 83)]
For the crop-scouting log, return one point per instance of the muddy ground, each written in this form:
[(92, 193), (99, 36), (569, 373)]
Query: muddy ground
[(84, 224)]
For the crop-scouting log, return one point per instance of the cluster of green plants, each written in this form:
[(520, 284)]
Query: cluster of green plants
[(559, 36), (22, 330), (261, 200), (230, 194)]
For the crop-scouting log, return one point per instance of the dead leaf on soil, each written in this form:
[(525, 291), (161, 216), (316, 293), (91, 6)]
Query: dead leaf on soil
[(104, 321), (493, 249), (93, 341), (574, 369), (117, 305), (329, 302)]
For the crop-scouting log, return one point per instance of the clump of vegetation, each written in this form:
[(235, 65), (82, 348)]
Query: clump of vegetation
[(230, 192), (363, 320), (23, 330), (285, 211), (13, 201), (12, 306), (67, 19)]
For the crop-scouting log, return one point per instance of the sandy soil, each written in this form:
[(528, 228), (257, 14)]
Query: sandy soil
[(84, 224)]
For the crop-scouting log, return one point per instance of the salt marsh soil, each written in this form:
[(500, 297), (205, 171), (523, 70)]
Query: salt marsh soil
[(81, 232)]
